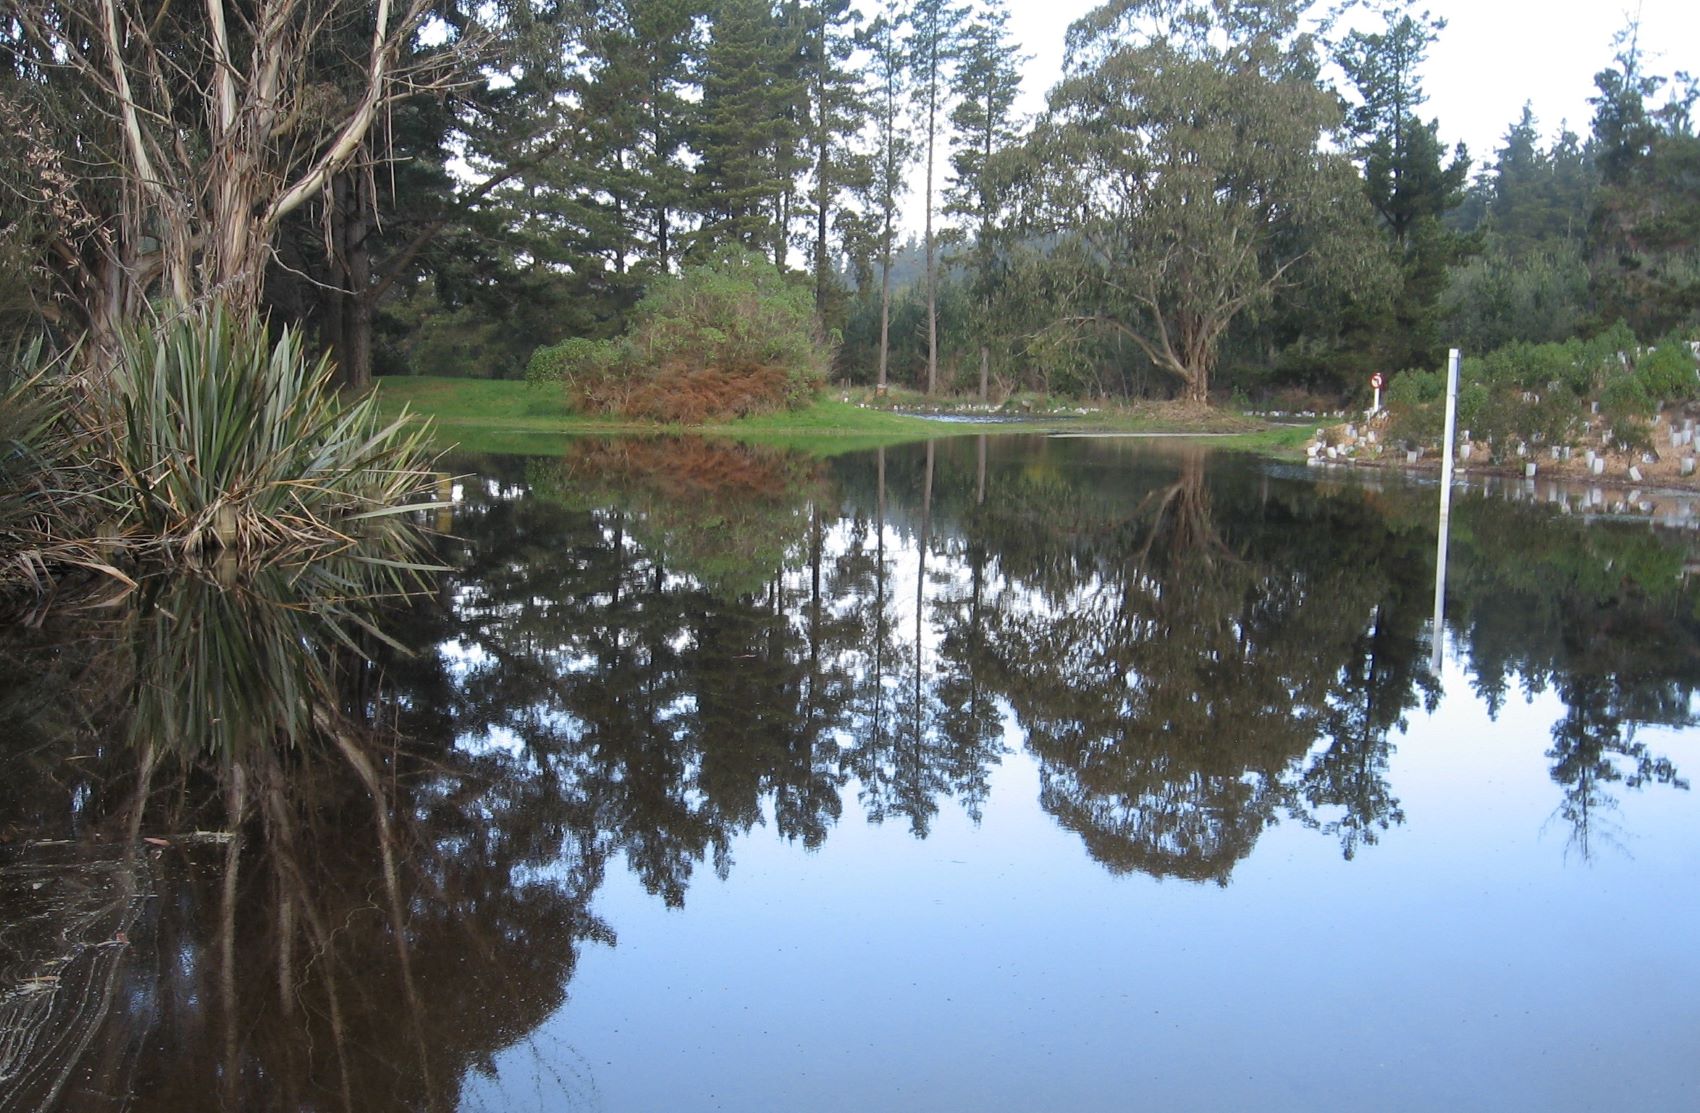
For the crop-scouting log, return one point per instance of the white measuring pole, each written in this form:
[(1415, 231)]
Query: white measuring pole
[(1452, 361)]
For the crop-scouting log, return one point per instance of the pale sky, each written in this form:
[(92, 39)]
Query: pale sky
[(1493, 56)]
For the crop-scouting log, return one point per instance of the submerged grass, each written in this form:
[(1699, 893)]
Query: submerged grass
[(506, 416), (495, 415)]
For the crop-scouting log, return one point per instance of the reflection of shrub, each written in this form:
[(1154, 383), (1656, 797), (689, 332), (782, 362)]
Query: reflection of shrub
[(725, 339), (723, 512)]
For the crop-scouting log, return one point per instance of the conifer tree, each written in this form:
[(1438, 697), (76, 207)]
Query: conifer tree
[(1645, 228), (837, 111), (937, 30), (1406, 176), (988, 79), (887, 42), (748, 129)]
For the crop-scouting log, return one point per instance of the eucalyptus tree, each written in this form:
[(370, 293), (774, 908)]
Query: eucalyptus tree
[(988, 79), (887, 42), (218, 121), (1187, 174), (936, 39), (1406, 176)]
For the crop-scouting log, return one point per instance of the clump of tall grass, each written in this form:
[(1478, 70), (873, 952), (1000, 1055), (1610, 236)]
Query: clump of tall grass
[(205, 434), (223, 437), (50, 499)]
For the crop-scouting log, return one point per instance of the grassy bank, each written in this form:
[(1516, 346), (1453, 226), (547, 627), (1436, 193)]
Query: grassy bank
[(507, 416)]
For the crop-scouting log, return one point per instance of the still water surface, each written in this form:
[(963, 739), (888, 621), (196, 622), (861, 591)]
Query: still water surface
[(991, 774)]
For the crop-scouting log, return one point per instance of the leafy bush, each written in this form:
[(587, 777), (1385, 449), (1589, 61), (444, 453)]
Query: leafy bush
[(1602, 358), (1502, 295), (1667, 373), (1625, 397), (724, 339), (1537, 393), (1416, 402)]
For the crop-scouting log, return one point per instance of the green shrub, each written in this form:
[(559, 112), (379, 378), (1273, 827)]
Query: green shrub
[(1557, 418), (1667, 373), (1625, 397), (1416, 403), (1603, 358), (727, 338), (1532, 367), (1417, 387)]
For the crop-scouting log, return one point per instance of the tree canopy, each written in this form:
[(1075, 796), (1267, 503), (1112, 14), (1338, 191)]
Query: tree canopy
[(1218, 195)]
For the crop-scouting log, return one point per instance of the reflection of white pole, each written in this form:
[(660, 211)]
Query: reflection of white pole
[(1445, 508)]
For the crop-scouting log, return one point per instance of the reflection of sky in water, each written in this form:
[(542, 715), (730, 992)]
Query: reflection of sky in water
[(1467, 962), (1480, 955), (631, 689)]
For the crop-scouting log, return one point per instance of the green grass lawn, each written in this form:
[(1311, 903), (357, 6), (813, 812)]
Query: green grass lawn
[(508, 416)]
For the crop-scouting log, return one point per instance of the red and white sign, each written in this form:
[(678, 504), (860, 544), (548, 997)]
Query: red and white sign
[(1375, 381)]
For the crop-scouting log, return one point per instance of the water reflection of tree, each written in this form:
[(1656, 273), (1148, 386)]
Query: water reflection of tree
[(1191, 654), (970, 719), (1160, 743), (1602, 617), (312, 929), (1192, 651), (689, 702)]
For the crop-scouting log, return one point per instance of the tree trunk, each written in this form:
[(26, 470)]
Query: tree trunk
[(347, 327), (885, 307), (932, 283), (356, 356)]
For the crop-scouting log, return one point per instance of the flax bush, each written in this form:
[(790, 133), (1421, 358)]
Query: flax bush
[(203, 434), (224, 437), (49, 498)]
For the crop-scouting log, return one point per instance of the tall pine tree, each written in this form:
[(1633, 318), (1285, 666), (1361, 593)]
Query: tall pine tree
[(1407, 177), (748, 129), (887, 42), (837, 111), (1645, 229), (937, 30), (988, 79)]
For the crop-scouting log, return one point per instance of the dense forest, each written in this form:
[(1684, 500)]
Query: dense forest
[(1217, 197)]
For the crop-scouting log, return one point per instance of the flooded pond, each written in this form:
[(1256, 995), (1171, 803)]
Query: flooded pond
[(1007, 773)]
